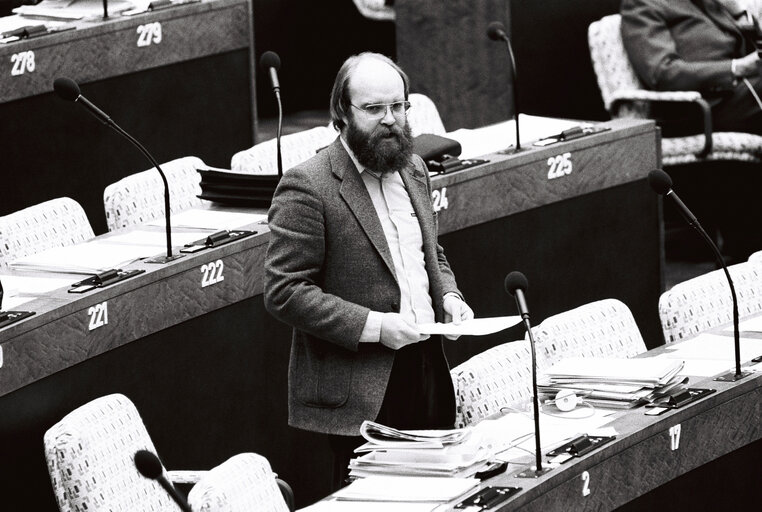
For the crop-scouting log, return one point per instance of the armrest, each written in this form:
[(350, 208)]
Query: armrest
[(185, 476), (624, 96), (287, 492)]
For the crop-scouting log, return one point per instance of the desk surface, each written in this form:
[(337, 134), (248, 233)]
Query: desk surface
[(188, 355)]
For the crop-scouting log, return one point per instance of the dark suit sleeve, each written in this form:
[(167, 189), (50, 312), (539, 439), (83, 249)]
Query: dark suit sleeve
[(649, 42), (294, 263)]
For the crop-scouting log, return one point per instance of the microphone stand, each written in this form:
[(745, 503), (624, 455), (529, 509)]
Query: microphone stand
[(731, 376), (512, 62), (278, 132), (168, 228), (105, 9)]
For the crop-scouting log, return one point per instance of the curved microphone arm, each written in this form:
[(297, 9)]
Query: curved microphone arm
[(512, 62), (736, 330), (151, 159)]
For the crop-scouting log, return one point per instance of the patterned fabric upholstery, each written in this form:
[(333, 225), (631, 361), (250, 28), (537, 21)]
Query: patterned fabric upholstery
[(705, 302), (604, 328), (624, 96), (376, 9), (498, 377), (424, 116), (55, 223), (90, 460), (243, 483), (139, 198), (262, 158)]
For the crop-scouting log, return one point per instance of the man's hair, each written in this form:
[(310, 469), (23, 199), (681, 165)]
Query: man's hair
[(340, 100)]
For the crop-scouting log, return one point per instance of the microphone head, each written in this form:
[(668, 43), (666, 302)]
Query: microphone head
[(496, 31), (66, 88), (516, 281), (269, 60), (148, 464), (660, 181)]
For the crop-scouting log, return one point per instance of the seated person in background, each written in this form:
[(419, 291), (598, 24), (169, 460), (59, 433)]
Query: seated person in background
[(354, 264), (699, 45)]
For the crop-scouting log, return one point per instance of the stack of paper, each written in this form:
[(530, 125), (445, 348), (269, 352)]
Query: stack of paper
[(450, 453), (613, 382)]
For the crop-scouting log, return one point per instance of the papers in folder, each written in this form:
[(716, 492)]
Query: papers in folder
[(438, 453), (614, 382), (474, 327)]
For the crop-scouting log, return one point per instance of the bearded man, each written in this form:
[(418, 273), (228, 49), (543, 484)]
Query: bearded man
[(354, 266)]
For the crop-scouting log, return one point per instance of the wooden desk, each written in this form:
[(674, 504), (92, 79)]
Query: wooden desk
[(206, 366), (175, 79)]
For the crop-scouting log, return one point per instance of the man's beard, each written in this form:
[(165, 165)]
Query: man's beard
[(384, 150)]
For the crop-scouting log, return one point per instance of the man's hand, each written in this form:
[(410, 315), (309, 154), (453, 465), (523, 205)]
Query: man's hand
[(396, 332), (456, 311), (746, 66)]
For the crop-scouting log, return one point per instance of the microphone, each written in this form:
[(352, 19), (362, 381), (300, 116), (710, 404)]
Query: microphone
[(270, 62), (496, 32), (516, 284), (149, 465), (68, 89), (661, 183)]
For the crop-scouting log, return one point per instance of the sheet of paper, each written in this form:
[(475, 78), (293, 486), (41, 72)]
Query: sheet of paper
[(210, 219), (475, 327), (87, 258), (15, 285), (16, 302), (371, 506), (407, 489), (157, 239), (512, 436), (714, 346), (750, 325), (496, 137)]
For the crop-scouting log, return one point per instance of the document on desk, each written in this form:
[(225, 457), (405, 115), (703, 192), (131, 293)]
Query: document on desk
[(749, 325), (157, 239), (87, 258), (475, 327), (430, 489), (371, 506), (72, 9), (210, 219), (482, 141), (709, 354)]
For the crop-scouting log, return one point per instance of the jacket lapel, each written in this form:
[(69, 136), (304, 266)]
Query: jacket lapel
[(355, 195)]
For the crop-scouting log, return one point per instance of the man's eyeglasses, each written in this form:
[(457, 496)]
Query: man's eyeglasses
[(378, 110)]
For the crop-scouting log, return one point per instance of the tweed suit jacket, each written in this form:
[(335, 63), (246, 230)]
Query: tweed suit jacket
[(683, 44), (327, 265)]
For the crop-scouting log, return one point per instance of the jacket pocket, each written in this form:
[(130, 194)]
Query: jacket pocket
[(322, 373)]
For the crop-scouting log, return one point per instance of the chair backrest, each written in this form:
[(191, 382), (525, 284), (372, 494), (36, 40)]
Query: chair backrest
[(498, 377), (756, 257), (139, 198), (242, 483), (612, 66), (704, 302), (262, 158), (424, 116), (90, 459), (56, 223), (604, 328)]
